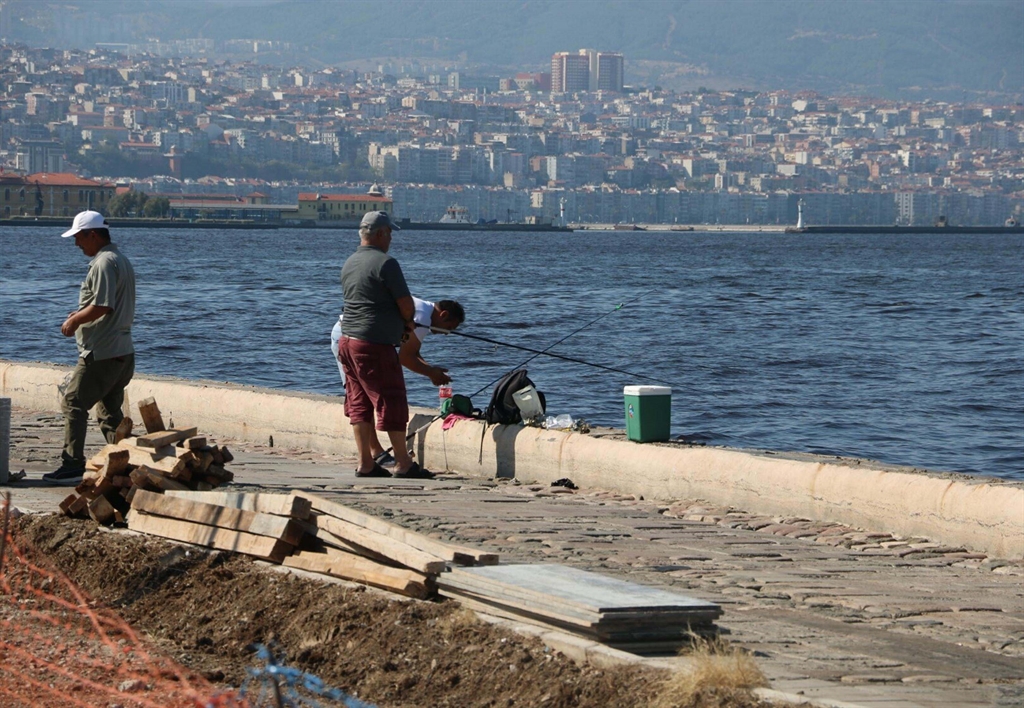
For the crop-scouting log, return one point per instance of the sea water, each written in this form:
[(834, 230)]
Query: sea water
[(907, 349)]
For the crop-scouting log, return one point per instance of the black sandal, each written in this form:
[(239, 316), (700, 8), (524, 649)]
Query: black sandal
[(415, 472), (377, 471)]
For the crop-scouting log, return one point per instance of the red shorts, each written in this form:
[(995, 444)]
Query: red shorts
[(373, 382)]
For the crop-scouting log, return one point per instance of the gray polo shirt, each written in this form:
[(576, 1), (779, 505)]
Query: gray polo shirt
[(372, 282), (109, 283)]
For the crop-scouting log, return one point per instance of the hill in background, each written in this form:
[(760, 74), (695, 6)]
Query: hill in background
[(907, 49)]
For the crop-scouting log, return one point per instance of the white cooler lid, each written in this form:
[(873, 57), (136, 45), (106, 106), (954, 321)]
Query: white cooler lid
[(647, 391)]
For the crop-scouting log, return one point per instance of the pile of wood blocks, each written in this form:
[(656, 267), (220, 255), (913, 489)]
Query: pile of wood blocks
[(160, 460), (304, 531), (622, 614)]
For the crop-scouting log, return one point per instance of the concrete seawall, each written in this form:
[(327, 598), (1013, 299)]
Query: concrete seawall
[(981, 514)]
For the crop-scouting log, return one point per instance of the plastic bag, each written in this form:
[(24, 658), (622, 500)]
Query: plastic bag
[(561, 421)]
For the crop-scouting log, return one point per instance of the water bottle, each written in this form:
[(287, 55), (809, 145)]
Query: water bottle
[(444, 391)]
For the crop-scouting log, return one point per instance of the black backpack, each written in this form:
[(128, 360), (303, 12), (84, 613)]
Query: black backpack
[(502, 408)]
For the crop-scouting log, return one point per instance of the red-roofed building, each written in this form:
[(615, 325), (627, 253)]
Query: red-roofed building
[(314, 206)]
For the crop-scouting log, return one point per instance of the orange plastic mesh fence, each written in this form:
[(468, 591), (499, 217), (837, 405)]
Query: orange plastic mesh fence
[(58, 647)]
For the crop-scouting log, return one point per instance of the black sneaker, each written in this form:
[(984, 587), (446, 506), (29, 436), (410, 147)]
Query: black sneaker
[(65, 476)]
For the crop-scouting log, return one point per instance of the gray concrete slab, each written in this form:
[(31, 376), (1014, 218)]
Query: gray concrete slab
[(830, 611)]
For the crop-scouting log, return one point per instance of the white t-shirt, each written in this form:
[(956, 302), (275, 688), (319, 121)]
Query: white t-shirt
[(422, 311)]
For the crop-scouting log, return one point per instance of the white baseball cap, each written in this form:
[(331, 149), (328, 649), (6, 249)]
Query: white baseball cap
[(85, 220)]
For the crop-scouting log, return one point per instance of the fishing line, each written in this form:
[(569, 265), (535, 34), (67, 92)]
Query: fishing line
[(538, 352), (571, 334)]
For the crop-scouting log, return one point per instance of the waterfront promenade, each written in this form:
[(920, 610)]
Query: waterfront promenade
[(833, 613)]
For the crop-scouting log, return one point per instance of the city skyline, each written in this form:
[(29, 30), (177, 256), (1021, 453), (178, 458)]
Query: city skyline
[(523, 142)]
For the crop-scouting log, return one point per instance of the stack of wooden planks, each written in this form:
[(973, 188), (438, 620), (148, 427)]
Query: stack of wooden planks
[(304, 531), (619, 613), (161, 460)]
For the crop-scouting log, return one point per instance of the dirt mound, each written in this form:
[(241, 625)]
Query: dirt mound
[(206, 609)]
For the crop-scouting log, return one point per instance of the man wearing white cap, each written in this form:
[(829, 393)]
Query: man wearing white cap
[(102, 328)]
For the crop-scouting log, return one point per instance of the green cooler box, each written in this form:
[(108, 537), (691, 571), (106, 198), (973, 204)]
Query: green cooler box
[(648, 413)]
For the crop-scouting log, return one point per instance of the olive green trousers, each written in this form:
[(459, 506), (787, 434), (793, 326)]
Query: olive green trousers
[(93, 383)]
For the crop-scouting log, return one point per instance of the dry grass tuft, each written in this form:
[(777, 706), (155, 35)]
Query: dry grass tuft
[(452, 625), (720, 676)]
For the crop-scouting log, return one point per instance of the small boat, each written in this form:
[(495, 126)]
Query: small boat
[(628, 227), (456, 214)]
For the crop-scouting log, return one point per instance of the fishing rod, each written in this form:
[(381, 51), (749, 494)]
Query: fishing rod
[(571, 334), (536, 353)]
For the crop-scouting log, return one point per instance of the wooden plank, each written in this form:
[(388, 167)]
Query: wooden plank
[(591, 592), (397, 551), (641, 621), (280, 527), (138, 456), (166, 437), (459, 555), (289, 505), (209, 536), (151, 417), (196, 442), (363, 570), (329, 540)]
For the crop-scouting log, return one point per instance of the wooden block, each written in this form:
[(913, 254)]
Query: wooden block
[(166, 437), (69, 500), (397, 551), (460, 555), (79, 507), (130, 493), (194, 443), (352, 567), (144, 476), (121, 480), (290, 505), (101, 511), (226, 454), (205, 460), (117, 463), (285, 529), (124, 429), (118, 517), (264, 547), (203, 486), (218, 471), (151, 417)]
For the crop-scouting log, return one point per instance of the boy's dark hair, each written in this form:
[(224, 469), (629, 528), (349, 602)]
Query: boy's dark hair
[(454, 308)]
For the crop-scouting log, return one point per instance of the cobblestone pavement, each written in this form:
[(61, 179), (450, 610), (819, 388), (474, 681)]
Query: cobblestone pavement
[(830, 611)]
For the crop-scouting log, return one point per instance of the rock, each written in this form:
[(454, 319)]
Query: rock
[(131, 686)]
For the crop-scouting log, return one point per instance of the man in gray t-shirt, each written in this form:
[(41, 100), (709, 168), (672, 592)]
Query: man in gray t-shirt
[(102, 328), (378, 315)]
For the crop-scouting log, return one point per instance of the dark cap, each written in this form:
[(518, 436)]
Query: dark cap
[(378, 220)]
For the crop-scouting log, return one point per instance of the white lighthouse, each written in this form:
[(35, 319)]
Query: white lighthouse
[(800, 214)]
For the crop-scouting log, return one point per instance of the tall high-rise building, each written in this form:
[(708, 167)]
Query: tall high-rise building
[(570, 72), (609, 71)]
